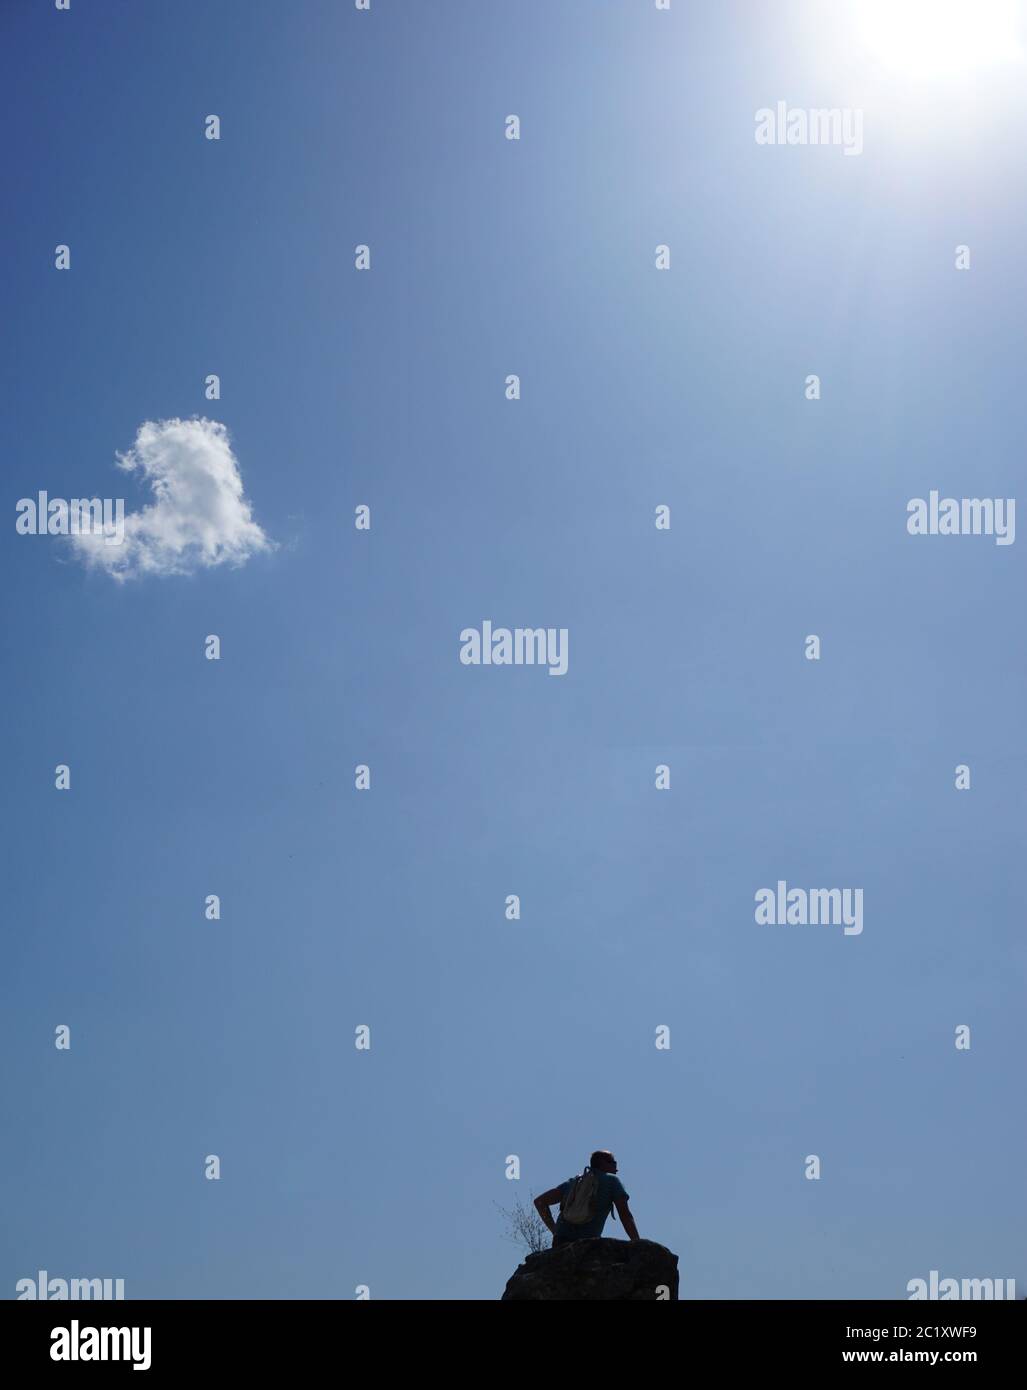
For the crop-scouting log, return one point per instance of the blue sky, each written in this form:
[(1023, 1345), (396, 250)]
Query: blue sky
[(386, 908)]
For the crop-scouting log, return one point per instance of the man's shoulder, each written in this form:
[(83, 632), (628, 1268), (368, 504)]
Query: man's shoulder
[(614, 1185)]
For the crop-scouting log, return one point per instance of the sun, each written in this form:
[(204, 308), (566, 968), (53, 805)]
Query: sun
[(930, 38)]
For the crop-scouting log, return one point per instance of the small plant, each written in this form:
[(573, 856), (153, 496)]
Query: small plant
[(525, 1227)]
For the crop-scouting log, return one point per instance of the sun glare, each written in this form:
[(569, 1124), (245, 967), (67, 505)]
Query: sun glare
[(928, 38)]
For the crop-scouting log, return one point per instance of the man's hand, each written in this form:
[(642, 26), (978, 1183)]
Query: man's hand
[(627, 1220), (542, 1205)]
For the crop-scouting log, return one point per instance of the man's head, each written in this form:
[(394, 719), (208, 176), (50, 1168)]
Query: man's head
[(603, 1161)]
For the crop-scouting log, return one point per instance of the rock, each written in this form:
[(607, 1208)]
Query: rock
[(623, 1270)]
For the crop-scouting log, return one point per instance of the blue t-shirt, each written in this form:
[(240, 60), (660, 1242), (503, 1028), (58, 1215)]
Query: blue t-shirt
[(611, 1190)]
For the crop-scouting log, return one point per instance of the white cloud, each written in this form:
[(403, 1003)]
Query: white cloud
[(198, 518)]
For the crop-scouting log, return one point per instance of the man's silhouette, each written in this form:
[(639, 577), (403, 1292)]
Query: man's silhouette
[(609, 1193)]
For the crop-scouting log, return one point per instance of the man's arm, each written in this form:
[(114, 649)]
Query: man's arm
[(627, 1220), (542, 1205)]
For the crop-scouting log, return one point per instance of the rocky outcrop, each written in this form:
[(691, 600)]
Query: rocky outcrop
[(635, 1271)]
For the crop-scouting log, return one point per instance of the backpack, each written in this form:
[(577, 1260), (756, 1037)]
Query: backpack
[(578, 1206)]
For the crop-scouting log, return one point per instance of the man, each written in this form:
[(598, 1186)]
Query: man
[(609, 1193)]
